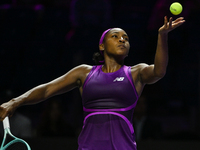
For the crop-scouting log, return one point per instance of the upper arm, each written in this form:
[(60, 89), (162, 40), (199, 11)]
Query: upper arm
[(74, 78), (147, 74)]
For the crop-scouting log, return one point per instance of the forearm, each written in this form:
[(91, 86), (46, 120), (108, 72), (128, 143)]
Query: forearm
[(32, 96), (161, 56)]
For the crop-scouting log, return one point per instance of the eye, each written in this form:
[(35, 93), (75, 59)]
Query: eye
[(126, 39), (114, 36)]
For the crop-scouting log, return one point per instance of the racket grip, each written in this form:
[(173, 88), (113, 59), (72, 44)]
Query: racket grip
[(6, 123)]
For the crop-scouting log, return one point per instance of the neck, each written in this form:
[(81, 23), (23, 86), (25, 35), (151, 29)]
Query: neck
[(111, 66)]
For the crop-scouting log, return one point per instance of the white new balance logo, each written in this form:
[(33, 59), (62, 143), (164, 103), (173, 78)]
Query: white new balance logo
[(119, 79)]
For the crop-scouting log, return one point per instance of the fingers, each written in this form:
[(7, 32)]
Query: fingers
[(170, 22), (3, 113), (171, 25), (165, 21), (178, 21), (175, 23), (2, 118)]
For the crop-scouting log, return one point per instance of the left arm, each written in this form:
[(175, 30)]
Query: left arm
[(152, 73)]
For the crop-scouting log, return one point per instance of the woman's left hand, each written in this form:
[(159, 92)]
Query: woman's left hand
[(171, 25)]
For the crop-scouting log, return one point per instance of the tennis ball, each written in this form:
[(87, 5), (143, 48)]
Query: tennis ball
[(176, 8)]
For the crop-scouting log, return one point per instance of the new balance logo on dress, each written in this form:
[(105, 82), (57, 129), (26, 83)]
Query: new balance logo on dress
[(119, 79)]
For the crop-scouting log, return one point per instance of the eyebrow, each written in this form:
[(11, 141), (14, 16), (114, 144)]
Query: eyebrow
[(118, 33)]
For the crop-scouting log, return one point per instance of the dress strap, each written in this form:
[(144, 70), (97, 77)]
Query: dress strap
[(128, 74), (90, 75), (112, 113)]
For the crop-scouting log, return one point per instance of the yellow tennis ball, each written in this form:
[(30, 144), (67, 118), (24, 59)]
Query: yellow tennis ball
[(176, 8)]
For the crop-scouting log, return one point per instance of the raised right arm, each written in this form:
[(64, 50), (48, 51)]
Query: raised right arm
[(73, 78)]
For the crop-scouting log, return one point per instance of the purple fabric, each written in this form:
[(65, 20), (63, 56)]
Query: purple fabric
[(117, 109), (113, 113), (103, 35), (108, 100), (106, 132), (128, 74), (90, 74)]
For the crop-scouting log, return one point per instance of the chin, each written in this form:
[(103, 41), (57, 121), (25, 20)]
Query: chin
[(123, 54)]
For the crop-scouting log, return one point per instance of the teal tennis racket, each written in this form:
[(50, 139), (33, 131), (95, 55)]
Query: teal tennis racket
[(10, 142)]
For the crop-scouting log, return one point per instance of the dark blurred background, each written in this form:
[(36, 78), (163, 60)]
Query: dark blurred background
[(41, 40)]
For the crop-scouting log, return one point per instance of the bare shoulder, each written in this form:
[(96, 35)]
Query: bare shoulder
[(136, 71), (138, 67), (73, 78), (84, 68), (136, 75), (82, 71), (77, 73)]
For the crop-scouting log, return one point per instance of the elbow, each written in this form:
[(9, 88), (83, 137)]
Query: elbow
[(160, 74)]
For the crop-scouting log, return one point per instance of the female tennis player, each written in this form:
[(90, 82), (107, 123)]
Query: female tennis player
[(109, 91)]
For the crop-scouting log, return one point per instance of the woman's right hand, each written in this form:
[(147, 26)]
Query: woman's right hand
[(7, 109)]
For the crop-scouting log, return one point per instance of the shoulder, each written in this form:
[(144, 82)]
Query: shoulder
[(136, 71), (139, 67), (84, 68), (82, 71), (77, 73)]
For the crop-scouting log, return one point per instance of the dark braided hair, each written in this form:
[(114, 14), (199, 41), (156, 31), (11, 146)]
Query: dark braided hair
[(98, 57)]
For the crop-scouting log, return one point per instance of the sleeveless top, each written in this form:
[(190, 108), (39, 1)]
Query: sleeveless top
[(108, 101)]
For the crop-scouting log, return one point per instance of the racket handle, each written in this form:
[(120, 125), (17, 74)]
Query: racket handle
[(6, 123)]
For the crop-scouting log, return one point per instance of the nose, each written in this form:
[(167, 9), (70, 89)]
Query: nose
[(122, 40)]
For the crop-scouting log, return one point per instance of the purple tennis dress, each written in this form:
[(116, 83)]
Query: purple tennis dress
[(108, 101)]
